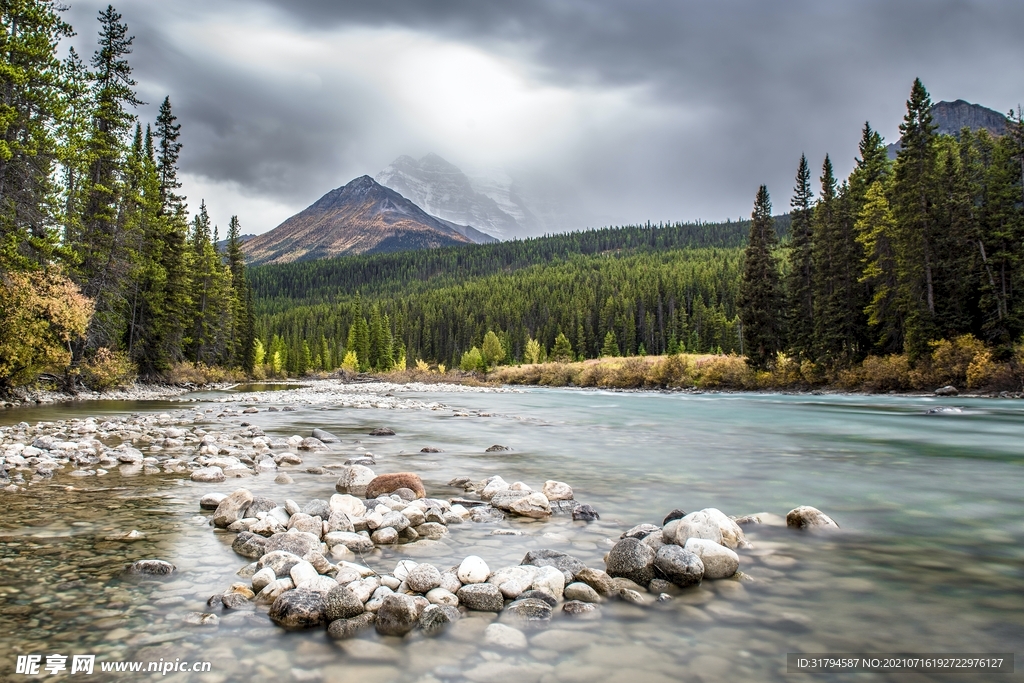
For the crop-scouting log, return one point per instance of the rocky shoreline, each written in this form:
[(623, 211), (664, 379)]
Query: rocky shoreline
[(137, 392)]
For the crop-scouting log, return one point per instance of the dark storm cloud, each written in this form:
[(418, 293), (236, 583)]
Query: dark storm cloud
[(743, 88)]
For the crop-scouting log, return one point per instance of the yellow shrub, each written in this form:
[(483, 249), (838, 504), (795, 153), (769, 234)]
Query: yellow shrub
[(982, 371), (888, 373), (950, 362), (671, 371), (730, 372), (108, 369)]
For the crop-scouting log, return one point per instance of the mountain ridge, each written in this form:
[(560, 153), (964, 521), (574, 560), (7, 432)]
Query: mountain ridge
[(951, 117)]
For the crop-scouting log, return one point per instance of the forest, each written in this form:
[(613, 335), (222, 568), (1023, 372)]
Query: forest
[(103, 273)]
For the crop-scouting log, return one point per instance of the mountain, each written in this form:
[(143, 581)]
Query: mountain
[(443, 190), (223, 244), (362, 217), (951, 117)]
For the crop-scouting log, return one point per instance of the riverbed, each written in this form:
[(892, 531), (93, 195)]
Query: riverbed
[(928, 493)]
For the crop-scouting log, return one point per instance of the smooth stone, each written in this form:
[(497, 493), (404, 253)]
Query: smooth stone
[(450, 582), (389, 483), (441, 596), (354, 477), (341, 603), (807, 517), (675, 514), (302, 571), (700, 525), (283, 478), (324, 436), (396, 616), (599, 580), (631, 596), (505, 637), (585, 513), (719, 562), (342, 629), (339, 521), (384, 536), (435, 618), (732, 534), (680, 566), (296, 542), (473, 570), (482, 597), (564, 562), (562, 640), (549, 580), (211, 500), (347, 504), (432, 531), (396, 520), (259, 504), (529, 610), (357, 543), (278, 561), (231, 509), (318, 507), (312, 444), (150, 568), (641, 531), (383, 431), (496, 448), (578, 608), (503, 500), (631, 559), (581, 592), (261, 578), (298, 609), (320, 584), (274, 590), (249, 545), (424, 578), (201, 619)]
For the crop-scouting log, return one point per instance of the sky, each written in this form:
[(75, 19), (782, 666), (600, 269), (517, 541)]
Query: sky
[(625, 112)]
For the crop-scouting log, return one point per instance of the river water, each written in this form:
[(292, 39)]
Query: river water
[(930, 557)]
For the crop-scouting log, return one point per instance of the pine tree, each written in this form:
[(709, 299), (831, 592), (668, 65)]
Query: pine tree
[(562, 350), (760, 300), (913, 198), (169, 149), (242, 332), (800, 278), (876, 231), (492, 350), (610, 348), (359, 338)]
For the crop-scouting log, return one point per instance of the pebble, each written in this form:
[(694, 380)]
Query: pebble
[(473, 570)]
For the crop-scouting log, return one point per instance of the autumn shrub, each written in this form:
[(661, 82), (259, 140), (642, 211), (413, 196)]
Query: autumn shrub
[(671, 371), (950, 362), (885, 373), (629, 373), (558, 374), (727, 372), (108, 369), (200, 374)]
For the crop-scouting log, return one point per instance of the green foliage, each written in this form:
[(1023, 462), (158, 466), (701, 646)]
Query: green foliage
[(472, 361), (562, 350), (108, 369), (610, 346), (492, 351), (800, 279), (760, 296)]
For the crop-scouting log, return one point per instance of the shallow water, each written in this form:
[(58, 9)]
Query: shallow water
[(930, 558)]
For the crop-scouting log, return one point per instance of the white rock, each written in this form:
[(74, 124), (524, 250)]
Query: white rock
[(506, 637), (557, 490), (550, 580), (732, 534), (350, 505), (520, 486), (208, 474), (719, 561), (494, 485), (697, 525), (473, 570), (263, 577), (535, 505), (440, 596), (403, 568), (302, 572)]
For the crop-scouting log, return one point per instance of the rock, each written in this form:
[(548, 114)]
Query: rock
[(631, 559), (450, 582), (324, 436), (383, 431), (208, 474), (311, 444), (341, 603), (497, 448), (719, 562), (302, 571), (236, 601), (641, 531), (441, 596), (766, 518), (654, 541), (298, 609), (432, 530), (564, 562), (807, 517), (388, 483), (681, 567), (948, 390), (300, 521), (273, 590), (349, 505), (535, 505), (732, 534), (261, 578), (384, 536), (473, 570), (585, 513), (482, 597), (397, 615), (578, 608), (211, 500), (581, 592), (631, 596), (343, 629), (698, 524), (339, 521), (249, 545), (318, 508), (430, 449), (357, 543), (557, 490), (550, 580), (675, 514), (283, 478), (529, 611), (279, 561), (354, 478), (435, 618), (231, 509), (201, 619), (598, 580), (150, 568), (296, 542), (424, 578), (494, 485), (505, 637), (483, 515), (396, 520), (543, 596)]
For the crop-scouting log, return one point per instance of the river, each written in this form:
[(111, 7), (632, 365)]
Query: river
[(930, 557)]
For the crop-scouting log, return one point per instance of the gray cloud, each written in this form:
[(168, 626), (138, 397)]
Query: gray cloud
[(726, 94)]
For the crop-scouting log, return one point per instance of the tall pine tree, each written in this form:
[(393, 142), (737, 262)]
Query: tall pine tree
[(800, 279), (760, 297)]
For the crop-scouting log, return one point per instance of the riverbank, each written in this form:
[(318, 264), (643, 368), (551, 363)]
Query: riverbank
[(25, 396)]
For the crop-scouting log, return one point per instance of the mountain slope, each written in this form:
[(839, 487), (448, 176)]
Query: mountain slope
[(443, 190), (362, 217), (950, 117)]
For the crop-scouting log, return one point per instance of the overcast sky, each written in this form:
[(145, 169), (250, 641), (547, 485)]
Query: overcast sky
[(626, 110)]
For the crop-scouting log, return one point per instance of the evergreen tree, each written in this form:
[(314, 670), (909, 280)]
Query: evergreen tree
[(242, 332), (492, 350), (169, 149), (876, 230), (562, 350), (800, 278), (610, 346), (913, 198), (760, 300), (359, 338)]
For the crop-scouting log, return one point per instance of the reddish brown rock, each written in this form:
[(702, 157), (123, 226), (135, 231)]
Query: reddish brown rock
[(389, 483)]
